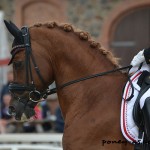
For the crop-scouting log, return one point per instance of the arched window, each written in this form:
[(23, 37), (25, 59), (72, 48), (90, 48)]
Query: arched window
[(131, 34), (28, 12)]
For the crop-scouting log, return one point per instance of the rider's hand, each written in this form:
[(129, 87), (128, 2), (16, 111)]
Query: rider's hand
[(139, 58)]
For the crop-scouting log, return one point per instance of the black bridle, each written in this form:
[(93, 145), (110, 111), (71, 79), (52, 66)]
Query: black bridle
[(29, 83), (34, 94)]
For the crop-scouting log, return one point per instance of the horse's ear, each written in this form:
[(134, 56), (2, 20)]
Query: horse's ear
[(13, 29)]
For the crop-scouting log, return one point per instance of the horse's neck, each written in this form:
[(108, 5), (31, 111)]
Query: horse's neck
[(72, 59)]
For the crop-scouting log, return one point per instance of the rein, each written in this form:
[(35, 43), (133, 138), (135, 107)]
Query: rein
[(54, 90), (35, 95)]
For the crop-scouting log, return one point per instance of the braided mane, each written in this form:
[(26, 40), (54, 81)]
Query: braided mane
[(83, 36)]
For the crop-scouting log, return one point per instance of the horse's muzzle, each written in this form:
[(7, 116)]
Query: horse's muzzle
[(12, 110), (19, 108)]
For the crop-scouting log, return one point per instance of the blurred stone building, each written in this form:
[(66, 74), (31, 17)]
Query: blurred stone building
[(122, 26)]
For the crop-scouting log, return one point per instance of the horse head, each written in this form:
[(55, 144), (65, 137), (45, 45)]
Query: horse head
[(29, 84)]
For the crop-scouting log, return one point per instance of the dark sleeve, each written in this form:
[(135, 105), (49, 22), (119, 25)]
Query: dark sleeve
[(147, 55)]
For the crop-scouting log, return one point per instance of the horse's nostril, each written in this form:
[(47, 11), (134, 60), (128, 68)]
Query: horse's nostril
[(12, 111)]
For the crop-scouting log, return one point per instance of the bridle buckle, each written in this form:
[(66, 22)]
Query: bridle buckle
[(34, 96)]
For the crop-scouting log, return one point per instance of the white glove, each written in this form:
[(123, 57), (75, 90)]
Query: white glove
[(139, 58)]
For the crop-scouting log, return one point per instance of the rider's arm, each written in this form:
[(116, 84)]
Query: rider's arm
[(142, 56), (138, 59), (147, 55)]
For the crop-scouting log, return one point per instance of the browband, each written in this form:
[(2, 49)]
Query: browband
[(15, 50)]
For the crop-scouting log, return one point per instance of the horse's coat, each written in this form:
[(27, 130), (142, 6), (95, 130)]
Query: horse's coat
[(91, 109)]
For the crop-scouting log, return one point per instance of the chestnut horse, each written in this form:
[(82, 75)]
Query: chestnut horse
[(91, 108)]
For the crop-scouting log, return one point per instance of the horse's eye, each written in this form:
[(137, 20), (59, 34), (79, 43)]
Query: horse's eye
[(18, 65)]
